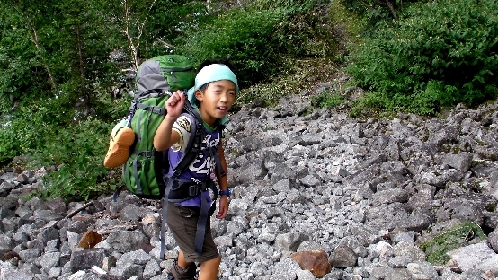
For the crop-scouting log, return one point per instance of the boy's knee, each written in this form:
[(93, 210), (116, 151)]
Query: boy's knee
[(212, 263)]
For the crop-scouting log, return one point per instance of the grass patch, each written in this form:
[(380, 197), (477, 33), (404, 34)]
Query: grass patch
[(459, 235)]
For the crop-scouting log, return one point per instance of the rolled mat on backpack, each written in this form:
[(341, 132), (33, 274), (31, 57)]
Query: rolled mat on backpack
[(122, 137)]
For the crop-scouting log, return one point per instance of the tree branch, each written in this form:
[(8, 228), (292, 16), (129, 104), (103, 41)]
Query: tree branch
[(134, 46), (34, 39), (391, 8)]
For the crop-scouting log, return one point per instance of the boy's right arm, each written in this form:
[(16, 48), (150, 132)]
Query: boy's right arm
[(165, 136)]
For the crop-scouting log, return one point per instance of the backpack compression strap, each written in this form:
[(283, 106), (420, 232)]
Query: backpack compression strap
[(153, 109)]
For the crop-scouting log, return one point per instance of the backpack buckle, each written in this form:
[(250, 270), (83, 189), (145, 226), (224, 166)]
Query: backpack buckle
[(194, 190), (197, 189)]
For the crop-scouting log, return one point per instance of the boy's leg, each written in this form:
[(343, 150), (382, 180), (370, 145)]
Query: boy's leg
[(209, 269), (181, 260), (183, 270)]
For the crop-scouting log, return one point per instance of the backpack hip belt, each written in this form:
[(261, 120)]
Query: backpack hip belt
[(180, 190)]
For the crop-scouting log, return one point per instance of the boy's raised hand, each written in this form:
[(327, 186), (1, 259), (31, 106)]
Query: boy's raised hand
[(174, 104)]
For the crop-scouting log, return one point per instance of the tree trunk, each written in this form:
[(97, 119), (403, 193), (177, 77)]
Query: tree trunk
[(34, 38), (134, 42), (79, 43)]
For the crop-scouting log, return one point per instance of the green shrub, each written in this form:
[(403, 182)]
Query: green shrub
[(307, 31), (72, 151), (109, 108), (76, 153), (327, 100), (8, 146), (258, 37), (438, 54), (244, 38), (164, 21), (24, 131)]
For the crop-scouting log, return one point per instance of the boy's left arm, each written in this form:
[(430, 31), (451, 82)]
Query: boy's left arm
[(223, 184)]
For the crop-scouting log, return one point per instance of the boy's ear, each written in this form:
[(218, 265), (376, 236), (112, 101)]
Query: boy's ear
[(198, 95)]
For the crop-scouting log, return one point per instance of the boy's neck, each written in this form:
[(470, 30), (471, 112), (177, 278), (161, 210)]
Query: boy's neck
[(208, 126), (207, 121)]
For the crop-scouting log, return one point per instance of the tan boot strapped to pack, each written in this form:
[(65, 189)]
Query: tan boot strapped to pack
[(122, 137)]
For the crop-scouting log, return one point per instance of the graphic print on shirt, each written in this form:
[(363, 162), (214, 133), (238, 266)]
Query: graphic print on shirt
[(204, 163), (184, 123), (184, 128)]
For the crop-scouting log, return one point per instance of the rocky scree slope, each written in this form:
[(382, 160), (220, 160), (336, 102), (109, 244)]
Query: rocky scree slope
[(367, 195)]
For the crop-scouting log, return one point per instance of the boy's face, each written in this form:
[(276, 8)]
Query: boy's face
[(216, 100)]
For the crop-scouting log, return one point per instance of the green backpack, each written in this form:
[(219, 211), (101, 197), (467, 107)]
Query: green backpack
[(157, 78)]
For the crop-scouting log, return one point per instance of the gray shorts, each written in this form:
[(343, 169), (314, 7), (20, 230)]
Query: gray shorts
[(182, 222)]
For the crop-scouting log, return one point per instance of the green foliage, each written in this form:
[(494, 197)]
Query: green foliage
[(350, 25), (109, 108), (77, 153), (166, 22), (23, 132), (53, 49), (245, 39), (8, 147), (306, 30), (327, 100), (459, 235), (257, 37), (21, 75), (366, 106), (298, 75), (437, 55), (44, 130), (374, 10)]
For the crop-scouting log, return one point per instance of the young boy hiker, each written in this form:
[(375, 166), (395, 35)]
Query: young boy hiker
[(213, 95)]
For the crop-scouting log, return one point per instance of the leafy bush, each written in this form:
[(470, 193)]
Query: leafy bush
[(244, 38), (74, 154), (257, 37), (307, 31), (327, 100), (8, 146), (166, 21), (72, 151), (373, 11), (438, 54), (24, 130), (109, 108)]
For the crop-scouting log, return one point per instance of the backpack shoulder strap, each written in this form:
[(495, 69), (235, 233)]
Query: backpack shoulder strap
[(222, 171)]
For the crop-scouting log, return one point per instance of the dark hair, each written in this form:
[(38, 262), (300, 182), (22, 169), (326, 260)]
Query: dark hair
[(223, 61), (203, 87)]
